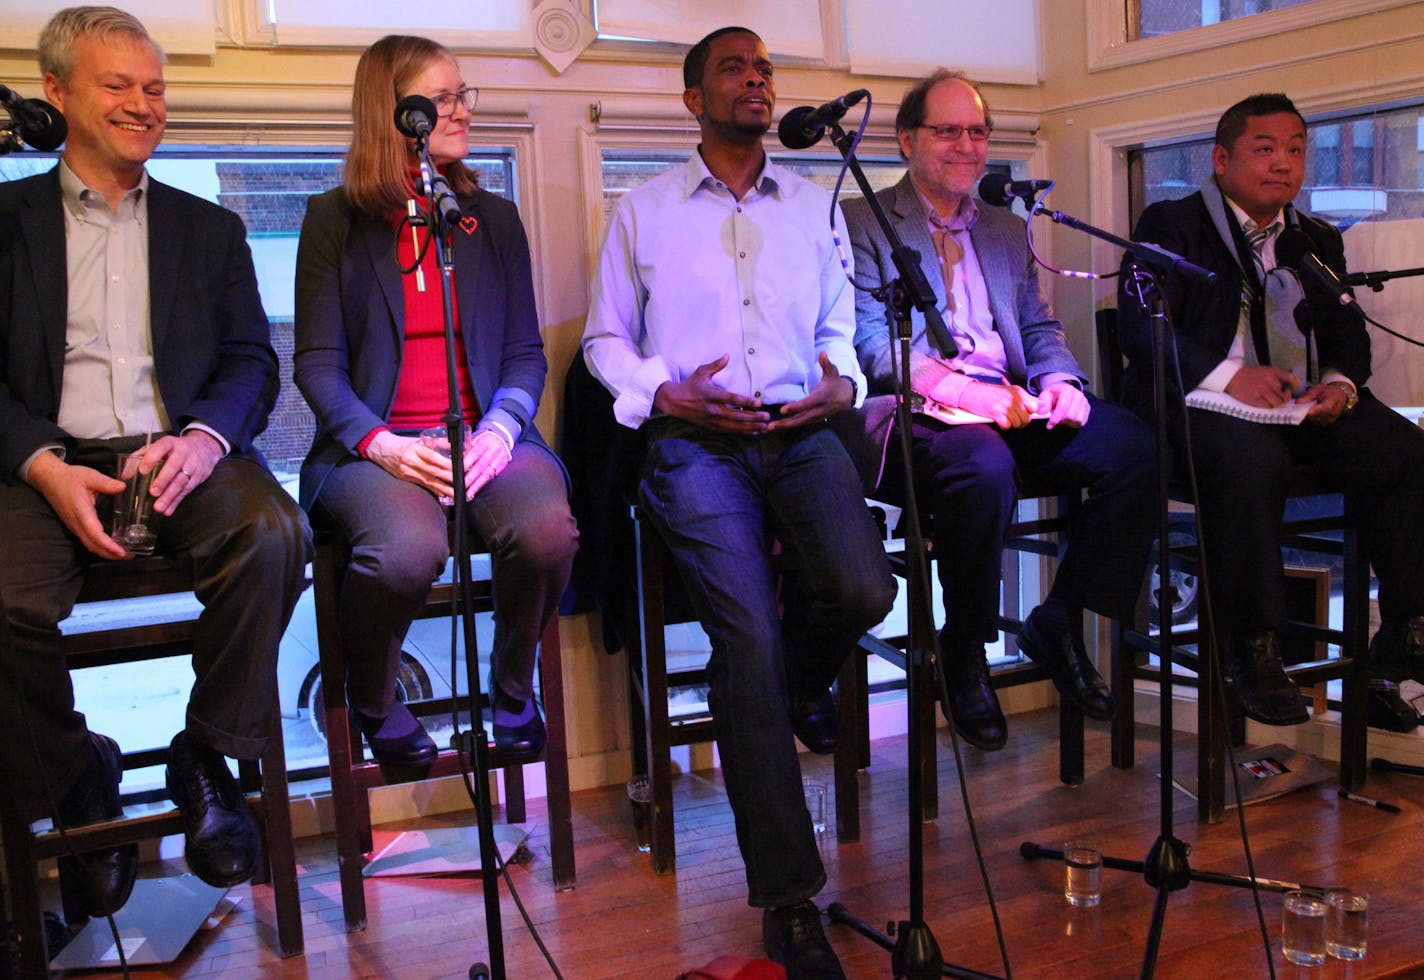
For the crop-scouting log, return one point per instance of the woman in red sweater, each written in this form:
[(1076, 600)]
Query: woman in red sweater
[(370, 359)]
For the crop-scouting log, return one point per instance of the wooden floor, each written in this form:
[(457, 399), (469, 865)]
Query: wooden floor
[(623, 921)]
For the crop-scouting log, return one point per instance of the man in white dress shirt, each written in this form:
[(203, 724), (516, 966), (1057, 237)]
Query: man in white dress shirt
[(722, 322)]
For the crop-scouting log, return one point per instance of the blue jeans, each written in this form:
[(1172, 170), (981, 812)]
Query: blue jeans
[(718, 501)]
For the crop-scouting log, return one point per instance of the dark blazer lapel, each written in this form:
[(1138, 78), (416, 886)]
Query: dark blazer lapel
[(377, 243), (167, 233), (43, 222)]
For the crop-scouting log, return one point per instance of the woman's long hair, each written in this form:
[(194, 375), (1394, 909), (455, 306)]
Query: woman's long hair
[(379, 162)]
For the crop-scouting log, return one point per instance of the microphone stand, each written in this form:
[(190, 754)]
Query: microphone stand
[(474, 743), (1376, 280), (914, 952), (1166, 868)]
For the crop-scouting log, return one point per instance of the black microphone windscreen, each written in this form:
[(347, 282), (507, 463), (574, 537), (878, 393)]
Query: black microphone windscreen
[(1292, 245), (411, 112), (51, 134), (793, 132), (994, 189)]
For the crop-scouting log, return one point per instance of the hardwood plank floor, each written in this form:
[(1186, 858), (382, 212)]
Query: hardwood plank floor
[(624, 921)]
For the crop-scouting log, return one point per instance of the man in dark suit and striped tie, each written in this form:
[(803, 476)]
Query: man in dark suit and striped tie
[(1255, 334)]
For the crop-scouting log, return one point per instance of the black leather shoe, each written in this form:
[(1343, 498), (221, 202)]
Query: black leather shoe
[(1397, 651), (220, 837), (1388, 711), (1059, 651), (518, 727), (814, 722), (411, 747), (103, 882), (793, 937), (1254, 665), (973, 707)]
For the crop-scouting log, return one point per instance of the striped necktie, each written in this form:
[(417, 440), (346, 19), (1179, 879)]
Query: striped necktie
[(1256, 238)]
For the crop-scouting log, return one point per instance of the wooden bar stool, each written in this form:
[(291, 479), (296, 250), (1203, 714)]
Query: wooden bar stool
[(264, 782), (1335, 535), (352, 776), (655, 732)]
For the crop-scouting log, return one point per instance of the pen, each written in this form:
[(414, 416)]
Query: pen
[(1377, 804)]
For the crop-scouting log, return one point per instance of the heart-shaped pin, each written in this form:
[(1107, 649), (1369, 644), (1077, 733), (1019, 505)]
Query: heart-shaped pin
[(469, 225)]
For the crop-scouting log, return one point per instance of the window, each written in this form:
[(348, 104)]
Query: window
[(1153, 18), (624, 170), (1361, 166)]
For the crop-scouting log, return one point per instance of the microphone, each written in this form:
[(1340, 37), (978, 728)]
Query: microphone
[(804, 126), (995, 189), (1295, 250), (444, 200), (35, 121), (415, 116)]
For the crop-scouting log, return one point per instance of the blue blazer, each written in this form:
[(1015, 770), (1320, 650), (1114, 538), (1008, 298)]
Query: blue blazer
[(350, 321), (212, 347)]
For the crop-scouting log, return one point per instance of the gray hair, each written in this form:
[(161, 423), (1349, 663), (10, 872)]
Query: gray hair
[(56, 48)]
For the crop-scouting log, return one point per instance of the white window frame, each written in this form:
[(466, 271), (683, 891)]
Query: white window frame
[(1108, 46)]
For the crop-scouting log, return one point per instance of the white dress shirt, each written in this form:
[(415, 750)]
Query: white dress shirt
[(690, 273)]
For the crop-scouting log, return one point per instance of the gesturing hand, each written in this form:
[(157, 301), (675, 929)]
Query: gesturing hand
[(832, 394), (700, 400)]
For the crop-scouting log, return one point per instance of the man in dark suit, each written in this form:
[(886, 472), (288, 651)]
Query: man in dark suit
[(1003, 357), (1256, 335), (130, 318)]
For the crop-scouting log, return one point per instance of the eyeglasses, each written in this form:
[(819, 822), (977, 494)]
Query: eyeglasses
[(445, 101), (950, 133)]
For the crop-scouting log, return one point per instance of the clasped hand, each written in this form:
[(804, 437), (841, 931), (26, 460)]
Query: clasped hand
[(406, 458)]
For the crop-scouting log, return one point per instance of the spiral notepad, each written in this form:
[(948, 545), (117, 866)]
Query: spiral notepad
[(1291, 413)]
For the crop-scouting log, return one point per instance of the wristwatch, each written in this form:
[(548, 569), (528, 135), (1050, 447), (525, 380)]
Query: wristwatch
[(1351, 398)]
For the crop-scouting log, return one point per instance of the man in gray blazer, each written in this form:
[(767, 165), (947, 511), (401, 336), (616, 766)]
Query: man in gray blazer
[(1003, 357)]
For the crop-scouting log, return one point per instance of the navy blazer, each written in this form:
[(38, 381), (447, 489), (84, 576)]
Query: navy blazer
[(1205, 318), (350, 320), (212, 347)]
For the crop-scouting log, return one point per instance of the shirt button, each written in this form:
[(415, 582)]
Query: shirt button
[(751, 350), (741, 255), (113, 278), (746, 302)]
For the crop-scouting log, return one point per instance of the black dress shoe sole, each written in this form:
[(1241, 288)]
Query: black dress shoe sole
[(1281, 717), (978, 741)]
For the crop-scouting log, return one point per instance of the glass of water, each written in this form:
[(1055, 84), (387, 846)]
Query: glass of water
[(1083, 874), (1303, 928), (1347, 924)]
